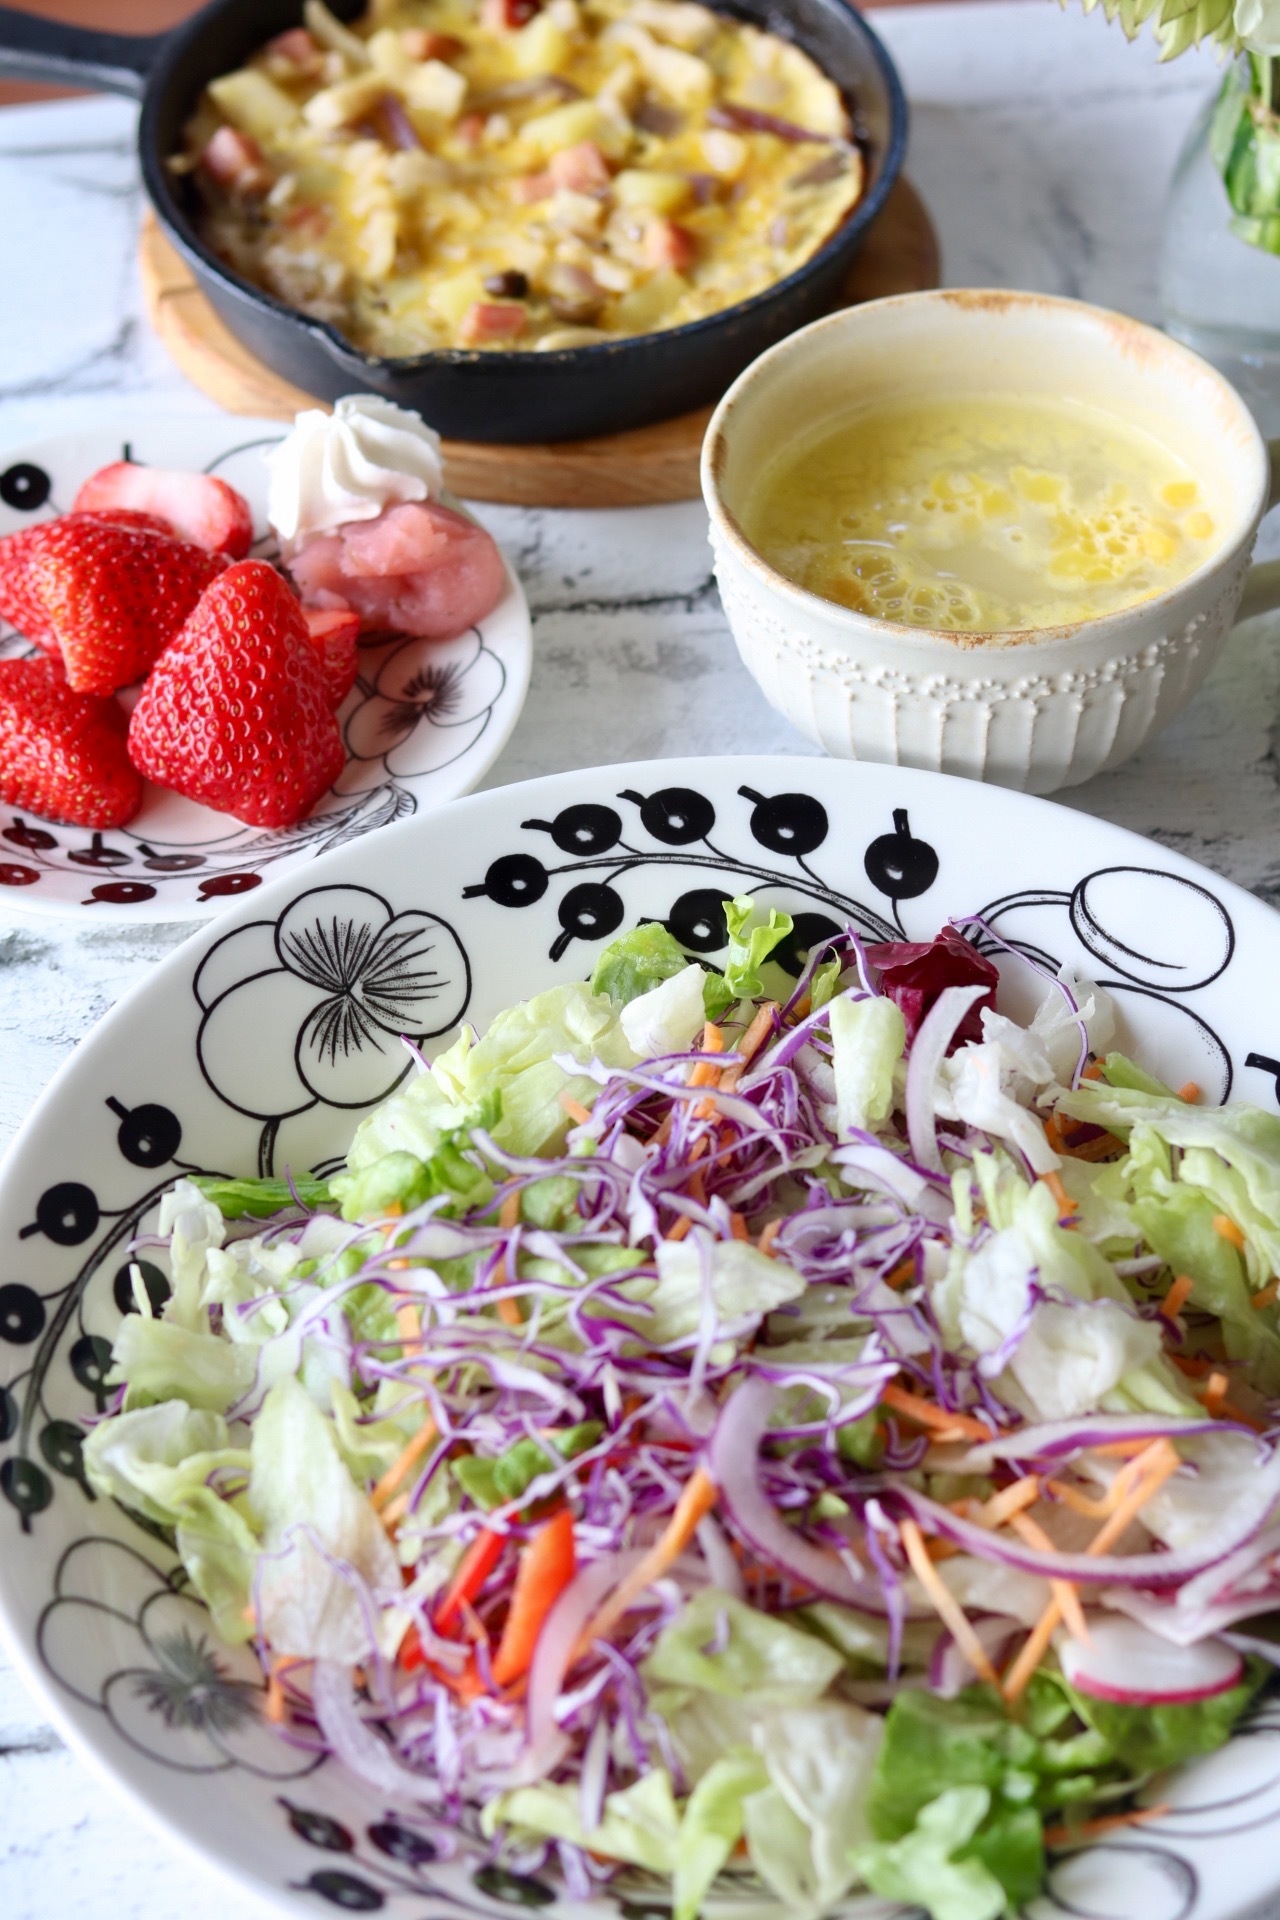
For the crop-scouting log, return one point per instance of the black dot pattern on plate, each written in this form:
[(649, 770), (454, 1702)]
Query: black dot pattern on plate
[(99, 854), (401, 1843), (33, 839), (518, 1889), (677, 816), (14, 875), (345, 1890), (697, 919), (24, 487), (21, 1314), (119, 893), (582, 830), (90, 1360), (62, 1445), (515, 880), (792, 823), (808, 931), (226, 884), (154, 1282), (25, 1487), (66, 1214), (147, 1135), (591, 911), (318, 1829), (8, 1414), (898, 864)]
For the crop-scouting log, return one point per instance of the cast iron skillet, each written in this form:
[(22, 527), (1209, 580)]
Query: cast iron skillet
[(576, 393)]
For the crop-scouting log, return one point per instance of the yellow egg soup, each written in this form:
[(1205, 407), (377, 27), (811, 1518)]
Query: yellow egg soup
[(982, 513)]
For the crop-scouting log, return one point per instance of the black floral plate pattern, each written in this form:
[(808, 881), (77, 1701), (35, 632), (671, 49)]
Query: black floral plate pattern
[(423, 723), (258, 1045)]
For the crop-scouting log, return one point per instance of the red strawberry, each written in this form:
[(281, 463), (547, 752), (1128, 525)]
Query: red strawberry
[(125, 517), (20, 602), (236, 713), (107, 597), (196, 506), (63, 754), (334, 633)]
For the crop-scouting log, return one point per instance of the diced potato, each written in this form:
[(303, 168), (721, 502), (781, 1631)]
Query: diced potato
[(455, 296), (433, 87), (253, 103), (680, 22), (335, 107), (565, 126), (330, 32), (387, 54), (541, 47), (576, 213), (724, 153), (378, 240), (649, 188), (682, 77), (643, 309)]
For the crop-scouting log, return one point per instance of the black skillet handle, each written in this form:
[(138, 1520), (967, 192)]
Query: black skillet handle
[(32, 49)]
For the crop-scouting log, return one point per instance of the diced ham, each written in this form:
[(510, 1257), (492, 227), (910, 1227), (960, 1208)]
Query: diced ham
[(666, 244), (296, 48), (310, 217), (501, 16), (236, 161), (527, 188), (469, 131), (418, 569), (491, 320), (421, 44), (582, 168)]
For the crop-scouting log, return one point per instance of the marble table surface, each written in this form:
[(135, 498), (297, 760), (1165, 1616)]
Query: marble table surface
[(1043, 145)]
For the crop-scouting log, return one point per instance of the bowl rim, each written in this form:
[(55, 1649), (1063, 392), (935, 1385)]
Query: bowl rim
[(996, 303), (184, 234)]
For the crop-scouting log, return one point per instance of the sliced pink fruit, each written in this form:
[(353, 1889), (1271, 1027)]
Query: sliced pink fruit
[(335, 632), (195, 506), (1125, 1663), (418, 568)]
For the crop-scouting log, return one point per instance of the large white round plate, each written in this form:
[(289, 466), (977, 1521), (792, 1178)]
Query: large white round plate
[(220, 1062), (424, 722)]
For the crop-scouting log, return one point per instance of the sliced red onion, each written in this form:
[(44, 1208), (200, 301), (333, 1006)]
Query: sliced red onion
[(554, 1654), (937, 1031), (1169, 1568), (358, 1745), (732, 1463), (1057, 1439), (950, 1669), (718, 1554), (1122, 1662)]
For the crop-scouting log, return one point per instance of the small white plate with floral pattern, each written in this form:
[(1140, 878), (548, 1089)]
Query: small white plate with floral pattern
[(424, 722)]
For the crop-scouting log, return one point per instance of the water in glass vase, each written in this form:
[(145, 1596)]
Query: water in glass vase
[(1220, 295)]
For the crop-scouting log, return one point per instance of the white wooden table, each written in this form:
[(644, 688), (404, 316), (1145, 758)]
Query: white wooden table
[(1042, 143)]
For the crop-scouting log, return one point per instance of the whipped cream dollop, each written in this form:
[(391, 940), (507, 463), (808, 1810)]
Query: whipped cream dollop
[(351, 464)]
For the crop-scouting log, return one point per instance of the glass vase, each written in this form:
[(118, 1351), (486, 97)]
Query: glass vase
[(1219, 293)]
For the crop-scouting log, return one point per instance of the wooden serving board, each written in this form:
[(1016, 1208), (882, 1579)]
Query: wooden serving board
[(640, 468)]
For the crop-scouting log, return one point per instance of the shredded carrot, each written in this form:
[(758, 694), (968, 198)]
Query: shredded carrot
[(1189, 1091), (409, 1326), (1178, 1295), (1226, 1229), (738, 1227), (275, 1705), (1215, 1392), (509, 1212), (1196, 1366), (902, 1275), (1054, 1135), (574, 1108), (397, 1266), (1100, 1148), (1093, 1071), (1267, 1297), (914, 1406), (394, 1512), (768, 1234), (750, 1044), (695, 1503), (1065, 1204), (1063, 1592), (680, 1228), (1143, 1476), (412, 1453), (1094, 1829), (948, 1608), (1003, 1505), (394, 1210), (545, 1568), (1121, 1449)]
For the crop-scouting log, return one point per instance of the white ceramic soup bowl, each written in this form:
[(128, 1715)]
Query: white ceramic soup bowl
[(1036, 709)]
